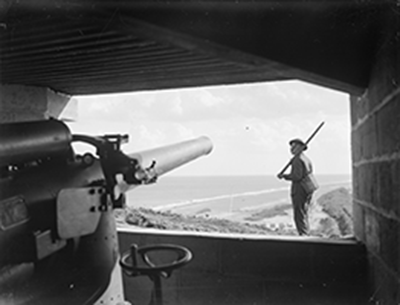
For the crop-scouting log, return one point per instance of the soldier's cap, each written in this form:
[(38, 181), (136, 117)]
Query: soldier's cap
[(299, 141)]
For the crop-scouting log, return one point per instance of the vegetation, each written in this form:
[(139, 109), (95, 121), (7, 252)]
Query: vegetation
[(338, 206), (336, 221), (148, 218)]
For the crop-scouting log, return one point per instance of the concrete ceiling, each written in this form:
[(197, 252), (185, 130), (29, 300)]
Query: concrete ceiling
[(94, 46)]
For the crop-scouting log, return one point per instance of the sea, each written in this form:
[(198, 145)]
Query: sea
[(222, 195)]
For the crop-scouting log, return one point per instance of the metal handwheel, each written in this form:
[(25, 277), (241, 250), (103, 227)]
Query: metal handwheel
[(128, 262)]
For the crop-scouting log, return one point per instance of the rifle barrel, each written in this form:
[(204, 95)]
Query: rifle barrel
[(308, 141), (315, 132)]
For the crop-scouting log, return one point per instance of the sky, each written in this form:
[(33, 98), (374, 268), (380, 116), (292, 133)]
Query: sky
[(249, 125)]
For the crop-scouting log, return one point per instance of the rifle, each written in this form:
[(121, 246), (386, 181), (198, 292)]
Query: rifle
[(308, 141)]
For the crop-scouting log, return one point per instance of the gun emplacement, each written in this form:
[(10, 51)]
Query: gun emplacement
[(49, 194)]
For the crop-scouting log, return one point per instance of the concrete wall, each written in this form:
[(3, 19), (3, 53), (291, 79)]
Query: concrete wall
[(376, 165), (26, 103), (253, 270)]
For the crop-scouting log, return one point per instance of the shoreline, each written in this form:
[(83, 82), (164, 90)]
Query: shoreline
[(330, 216)]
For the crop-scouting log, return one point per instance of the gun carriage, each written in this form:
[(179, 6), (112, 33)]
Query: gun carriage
[(57, 231)]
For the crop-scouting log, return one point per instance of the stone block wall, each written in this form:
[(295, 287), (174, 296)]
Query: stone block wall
[(376, 165)]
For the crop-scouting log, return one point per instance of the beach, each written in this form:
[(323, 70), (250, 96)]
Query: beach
[(330, 217)]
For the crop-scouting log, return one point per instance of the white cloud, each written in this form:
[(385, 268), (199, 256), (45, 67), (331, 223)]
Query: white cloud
[(151, 136), (249, 125), (209, 100), (176, 106), (183, 131)]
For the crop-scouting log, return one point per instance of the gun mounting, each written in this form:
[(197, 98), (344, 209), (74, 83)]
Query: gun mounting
[(50, 195)]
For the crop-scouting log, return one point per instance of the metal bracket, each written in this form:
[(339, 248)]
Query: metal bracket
[(79, 210)]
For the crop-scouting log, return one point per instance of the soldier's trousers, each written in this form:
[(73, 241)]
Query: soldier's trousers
[(301, 203)]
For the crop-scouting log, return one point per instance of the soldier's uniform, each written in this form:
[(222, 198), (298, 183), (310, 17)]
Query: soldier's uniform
[(301, 200), (302, 189)]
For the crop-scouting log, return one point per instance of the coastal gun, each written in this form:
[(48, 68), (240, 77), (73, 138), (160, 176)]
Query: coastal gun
[(58, 238)]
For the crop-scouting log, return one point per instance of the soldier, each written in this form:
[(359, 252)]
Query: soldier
[(303, 185)]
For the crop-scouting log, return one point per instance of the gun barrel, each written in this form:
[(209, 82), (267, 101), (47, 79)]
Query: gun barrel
[(169, 157), (22, 142)]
